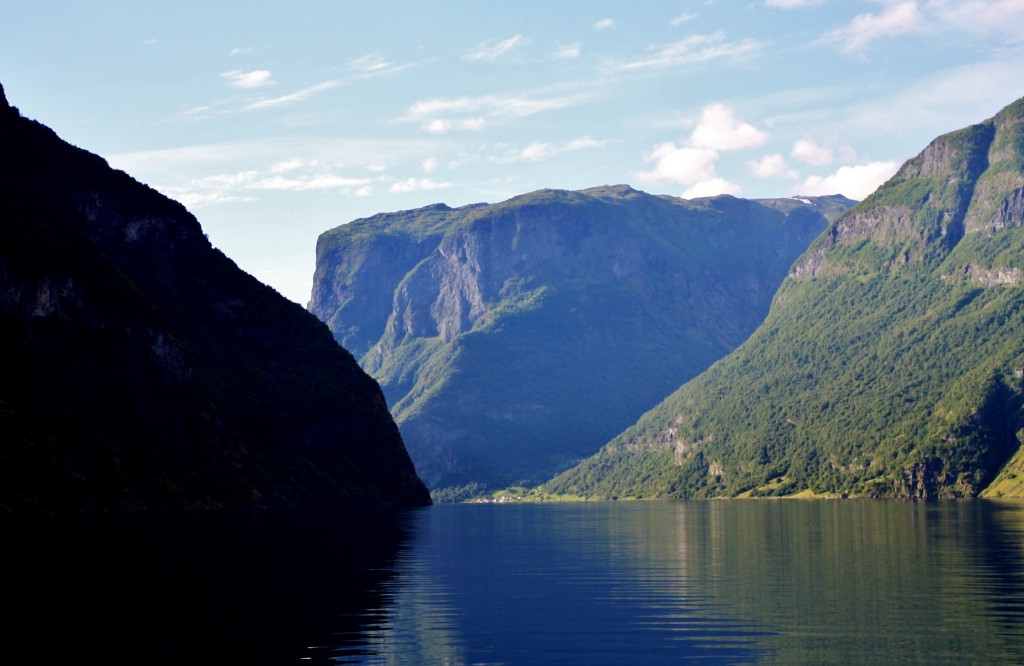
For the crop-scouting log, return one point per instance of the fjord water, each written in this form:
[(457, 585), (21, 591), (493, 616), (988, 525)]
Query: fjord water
[(723, 582), (718, 582)]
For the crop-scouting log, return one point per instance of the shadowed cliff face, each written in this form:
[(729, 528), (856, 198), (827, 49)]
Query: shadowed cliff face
[(891, 363), (142, 369), (511, 339)]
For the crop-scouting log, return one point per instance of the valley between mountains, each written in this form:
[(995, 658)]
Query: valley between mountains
[(805, 345)]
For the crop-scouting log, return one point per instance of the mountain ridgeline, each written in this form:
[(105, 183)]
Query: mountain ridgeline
[(513, 339), (891, 363), (141, 369)]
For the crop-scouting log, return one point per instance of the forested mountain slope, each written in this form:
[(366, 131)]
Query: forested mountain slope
[(891, 363), (512, 339), (141, 369)]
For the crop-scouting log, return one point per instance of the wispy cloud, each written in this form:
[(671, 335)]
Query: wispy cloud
[(792, 4), (444, 125), (417, 185), (895, 19), (540, 150), (374, 64), (567, 52), (692, 50), (254, 79), (683, 18), (305, 182), (242, 50), (604, 24), (490, 52), (441, 115), (297, 96)]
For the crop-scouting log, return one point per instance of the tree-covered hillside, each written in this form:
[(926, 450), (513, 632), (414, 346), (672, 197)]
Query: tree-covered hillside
[(512, 339), (891, 363), (141, 369)]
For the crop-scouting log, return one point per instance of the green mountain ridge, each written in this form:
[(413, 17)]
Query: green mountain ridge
[(512, 339), (141, 369), (891, 363)]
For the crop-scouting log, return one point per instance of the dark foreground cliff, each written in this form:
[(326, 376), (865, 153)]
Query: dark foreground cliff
[(140, 368), (512, 339), (891, 365)]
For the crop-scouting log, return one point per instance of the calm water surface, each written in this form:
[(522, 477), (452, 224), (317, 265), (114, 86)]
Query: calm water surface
[(726, 582)]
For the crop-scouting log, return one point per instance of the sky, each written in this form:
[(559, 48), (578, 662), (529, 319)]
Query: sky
[(274, 122)]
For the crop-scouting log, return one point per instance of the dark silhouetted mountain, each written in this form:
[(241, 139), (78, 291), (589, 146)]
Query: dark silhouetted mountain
[(890, 365), (142, 369), (513, 339)]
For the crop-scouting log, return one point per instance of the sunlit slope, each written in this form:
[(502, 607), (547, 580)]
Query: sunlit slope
[(513, 339), (890, 365)]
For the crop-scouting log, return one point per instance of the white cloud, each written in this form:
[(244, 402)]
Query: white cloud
[(429, 165), (323, 181), (683, 18), (435, 115), (693, 164), (443, 125), (539, 150), (491, 52), (604, 24), (896, 19), (718, 129), (491, 105), (417, 185), (811, 152), (792, 4), (683, 165), (711, 188), (771, 166), (194, 200), (472, 124), (694, 49), (254, 79), (567, 52), (584, 142), (285, 166), (438, 126), (297, 96), (374, 64), (855, 182), (238, 50)]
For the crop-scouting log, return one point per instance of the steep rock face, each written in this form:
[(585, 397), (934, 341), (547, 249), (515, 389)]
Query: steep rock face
[(890, 364), (142, 369), (511, 339)]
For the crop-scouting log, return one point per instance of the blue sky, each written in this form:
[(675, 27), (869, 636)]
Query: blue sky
[(275, 121)]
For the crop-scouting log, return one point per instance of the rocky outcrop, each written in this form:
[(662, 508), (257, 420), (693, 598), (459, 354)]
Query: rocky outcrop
[(965, 182), (141, 369), (512, 339)]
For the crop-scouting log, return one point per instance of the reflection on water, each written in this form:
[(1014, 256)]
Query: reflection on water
[(731, 582), (718, 582), (221, 588)]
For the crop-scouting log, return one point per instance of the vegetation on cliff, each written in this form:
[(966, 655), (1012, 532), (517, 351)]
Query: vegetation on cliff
[(513, 339), (891, 363)]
